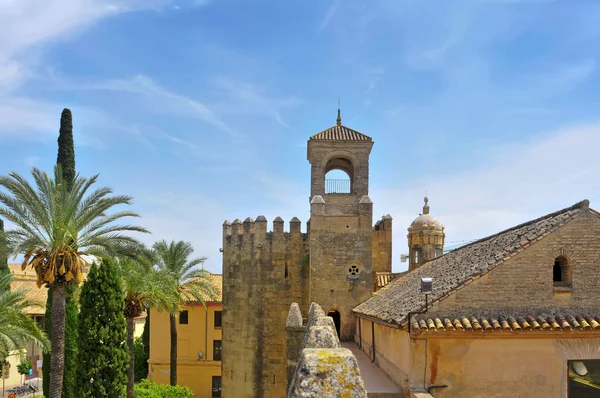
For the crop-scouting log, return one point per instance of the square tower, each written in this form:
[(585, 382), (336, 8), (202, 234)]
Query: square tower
[(341, 222)]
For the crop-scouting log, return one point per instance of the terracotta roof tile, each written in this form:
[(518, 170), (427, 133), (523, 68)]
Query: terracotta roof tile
[(217, 280), (33, 293), (340, 133), (510, 323), (460, 267)]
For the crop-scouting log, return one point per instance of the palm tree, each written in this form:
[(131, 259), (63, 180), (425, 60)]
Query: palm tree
[(55, 225), (190, 283), (144, 286), (16, 327)]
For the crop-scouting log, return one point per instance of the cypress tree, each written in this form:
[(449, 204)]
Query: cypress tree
[(66, 146), (66, 159), (3, 254), (102, 371)]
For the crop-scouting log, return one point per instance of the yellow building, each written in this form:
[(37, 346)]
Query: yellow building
[(198, 346)]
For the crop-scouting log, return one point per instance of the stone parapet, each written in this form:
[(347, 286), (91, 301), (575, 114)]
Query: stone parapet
[(323, 369)]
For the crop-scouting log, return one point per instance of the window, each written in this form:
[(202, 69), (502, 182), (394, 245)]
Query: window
[(217, 350), (216, 386), (584, 378), (438, 252), (183, 317), (218, 319), (417, 256), (286, 272), (561, 275)]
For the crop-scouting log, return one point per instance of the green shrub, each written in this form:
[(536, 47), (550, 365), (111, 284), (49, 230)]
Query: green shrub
[(24, 367), (141, 360), (149, 389)]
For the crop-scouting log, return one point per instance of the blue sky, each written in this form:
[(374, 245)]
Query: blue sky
[(201, 109)]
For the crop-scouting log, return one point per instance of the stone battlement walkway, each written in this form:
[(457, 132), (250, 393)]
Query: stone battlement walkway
[(376, 382)]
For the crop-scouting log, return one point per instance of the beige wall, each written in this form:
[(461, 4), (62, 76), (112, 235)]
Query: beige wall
[(503, 367), (192, 338), (392, 350), (497, 364)]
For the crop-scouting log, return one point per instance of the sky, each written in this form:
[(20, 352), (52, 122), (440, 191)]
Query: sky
[(201, 109)]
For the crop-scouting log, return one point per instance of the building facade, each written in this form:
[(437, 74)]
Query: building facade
[(514, 314), (199, 346), (334, 263)]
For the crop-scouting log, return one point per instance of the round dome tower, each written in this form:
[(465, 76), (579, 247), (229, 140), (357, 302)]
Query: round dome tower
[(425, 238)]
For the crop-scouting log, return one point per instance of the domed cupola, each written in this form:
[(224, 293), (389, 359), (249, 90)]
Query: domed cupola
[(425, 238)]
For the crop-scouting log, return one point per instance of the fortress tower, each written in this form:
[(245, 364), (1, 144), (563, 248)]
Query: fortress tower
[(341, 229), (425, 238), (332, 264)]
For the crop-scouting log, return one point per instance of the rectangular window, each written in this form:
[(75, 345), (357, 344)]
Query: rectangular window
[(218, 319), (216, 386), (584, 379), (216, 350), (183, 317)]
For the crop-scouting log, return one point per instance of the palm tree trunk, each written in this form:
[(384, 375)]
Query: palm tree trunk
[(57, 353), (173, 350), (131, 370)]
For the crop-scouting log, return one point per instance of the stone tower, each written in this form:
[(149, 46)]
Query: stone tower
[(425, 238), (332, 264), (341, 232)]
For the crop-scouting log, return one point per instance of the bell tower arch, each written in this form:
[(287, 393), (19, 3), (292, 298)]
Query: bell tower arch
[(341, 222)]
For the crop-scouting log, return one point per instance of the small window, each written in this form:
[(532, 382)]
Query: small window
[(417, 256), (561, 275), (438, 252), (216, 386), (584, 378), (183, 317), (286, 272), (218, 319), (216, 350)]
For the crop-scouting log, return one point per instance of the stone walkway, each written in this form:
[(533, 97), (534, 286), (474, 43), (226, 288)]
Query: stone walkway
[(375, 380)]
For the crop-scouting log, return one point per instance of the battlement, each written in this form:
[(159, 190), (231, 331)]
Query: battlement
[(258, 229), (384, 223)]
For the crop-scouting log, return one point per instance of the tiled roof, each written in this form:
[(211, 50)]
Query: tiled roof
[(567, 322), (383, 278), (451, 271), (217, 280), (340, 133), (33, 293)]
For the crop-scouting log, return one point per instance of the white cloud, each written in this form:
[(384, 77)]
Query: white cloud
[(335, 4), (515, 183), (251, 99)]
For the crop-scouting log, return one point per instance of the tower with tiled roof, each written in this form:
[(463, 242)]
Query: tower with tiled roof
[(341, 218), (425, 238)]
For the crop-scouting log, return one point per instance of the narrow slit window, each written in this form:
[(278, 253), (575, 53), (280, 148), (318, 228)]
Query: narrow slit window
[(286, 272)]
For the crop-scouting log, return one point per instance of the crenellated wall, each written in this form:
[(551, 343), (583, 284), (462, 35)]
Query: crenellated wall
[(263, 274), (382, 245)]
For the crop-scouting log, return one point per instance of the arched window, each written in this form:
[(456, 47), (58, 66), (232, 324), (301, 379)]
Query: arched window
[(417, 256), (561, 273), (337, 181), (339, 176)]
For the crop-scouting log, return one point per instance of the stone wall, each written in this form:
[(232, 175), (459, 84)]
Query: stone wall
[(382, 245), (263, 273), (323, 368), (524, 282)]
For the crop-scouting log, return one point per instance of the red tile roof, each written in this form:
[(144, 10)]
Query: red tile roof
[(506, 323)]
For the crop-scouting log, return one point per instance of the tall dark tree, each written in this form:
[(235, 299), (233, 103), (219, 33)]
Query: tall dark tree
[(102, 371), (66, 160), (66, 147), (3, 253)]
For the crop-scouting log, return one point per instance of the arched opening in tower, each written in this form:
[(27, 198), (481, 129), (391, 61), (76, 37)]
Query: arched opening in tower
[(337, 181), (339, 176), (336, 320)]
